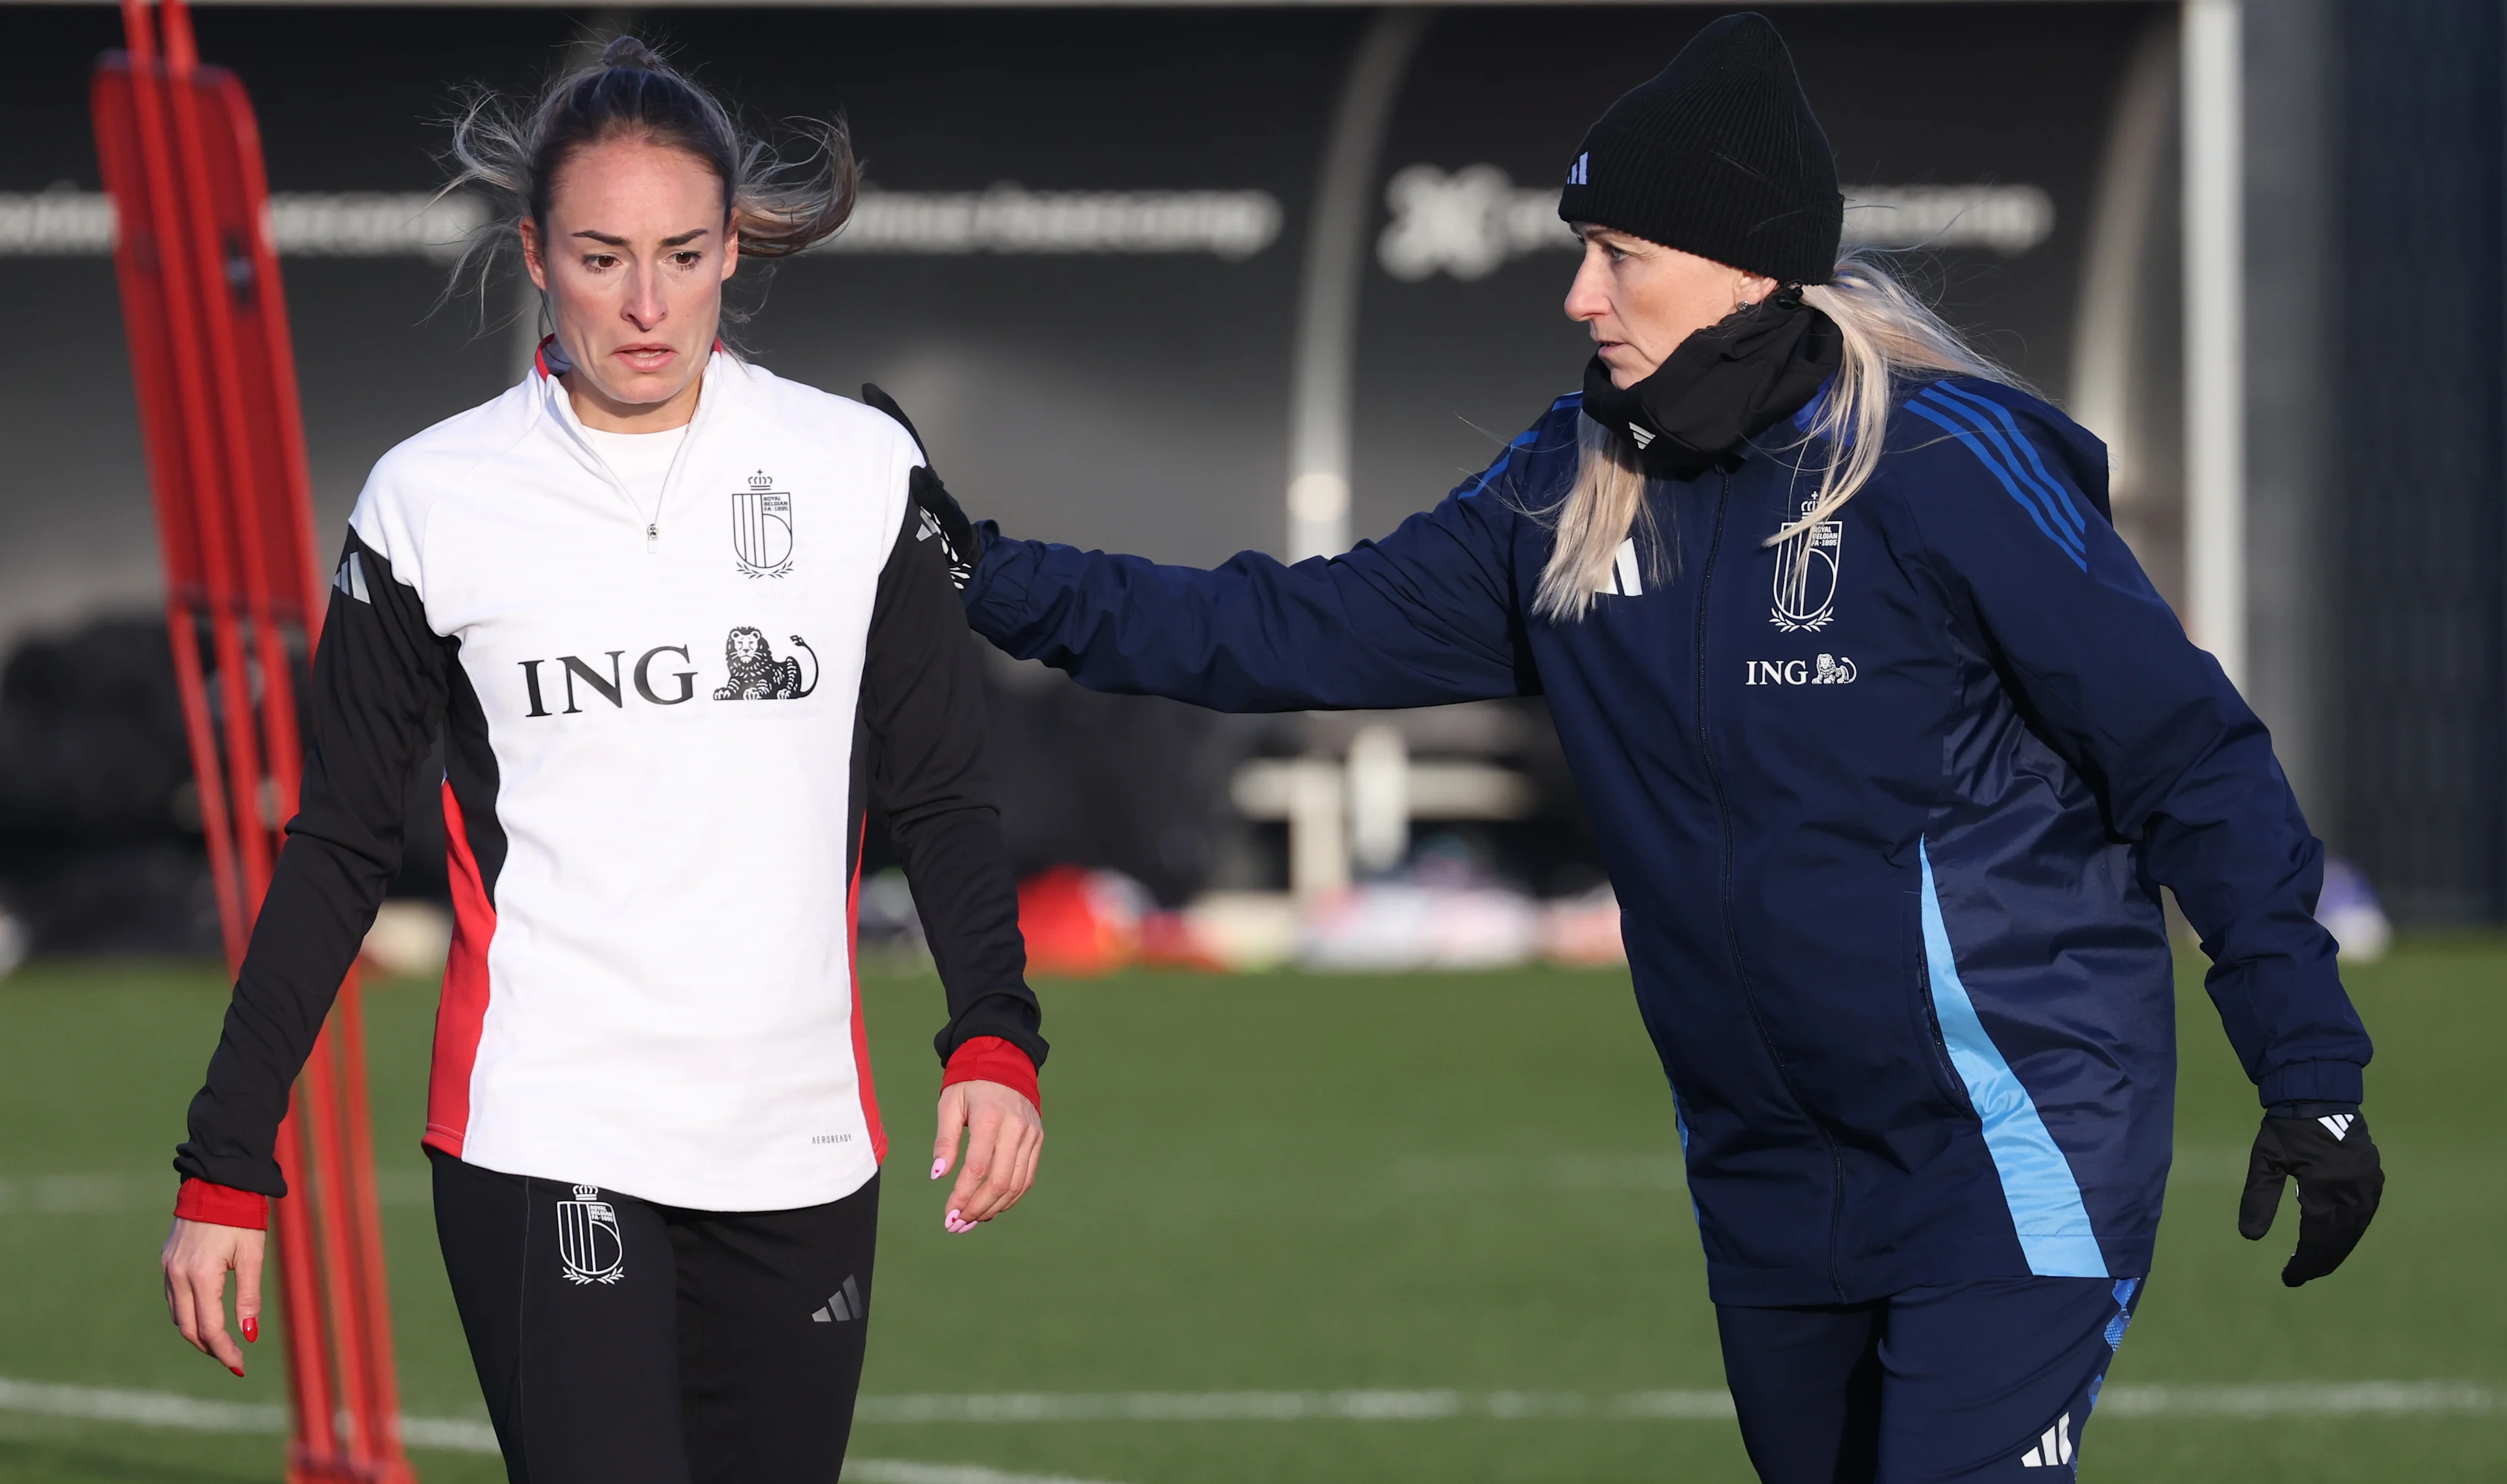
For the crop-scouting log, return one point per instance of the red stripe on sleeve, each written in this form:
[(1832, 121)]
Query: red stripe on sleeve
[(464, 1007), (222, 1205), (991, 1058)]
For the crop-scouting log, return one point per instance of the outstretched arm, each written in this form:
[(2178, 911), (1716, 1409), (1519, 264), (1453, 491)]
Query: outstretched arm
[(1425, 616)]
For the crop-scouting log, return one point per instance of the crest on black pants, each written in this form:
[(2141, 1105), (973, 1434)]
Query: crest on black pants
[(588, 1242)]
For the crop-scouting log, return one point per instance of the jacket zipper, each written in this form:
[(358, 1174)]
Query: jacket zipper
[(1731, 928), (1952, 1082)]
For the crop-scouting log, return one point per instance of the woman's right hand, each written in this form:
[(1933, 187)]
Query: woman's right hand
[(197, 1256)]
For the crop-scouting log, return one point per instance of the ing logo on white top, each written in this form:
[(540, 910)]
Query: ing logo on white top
[(761, 528), (588, 1242), (757, 676), (1805, 586)]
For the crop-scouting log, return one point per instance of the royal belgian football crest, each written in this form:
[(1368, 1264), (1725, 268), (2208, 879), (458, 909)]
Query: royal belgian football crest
[(1806, 577), (761, 528), (756, 674), (588, 1242)]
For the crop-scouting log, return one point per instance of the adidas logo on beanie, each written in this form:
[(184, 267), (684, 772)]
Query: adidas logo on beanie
[(1718, 155)]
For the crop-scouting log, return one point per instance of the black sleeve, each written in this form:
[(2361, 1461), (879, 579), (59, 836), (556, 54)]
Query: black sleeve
[(922, 718), (379, 678)]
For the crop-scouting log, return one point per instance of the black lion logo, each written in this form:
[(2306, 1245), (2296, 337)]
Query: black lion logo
[(757, 676)]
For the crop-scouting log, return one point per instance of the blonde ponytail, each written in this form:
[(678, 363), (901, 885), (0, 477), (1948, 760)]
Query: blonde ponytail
[(1889, 334)]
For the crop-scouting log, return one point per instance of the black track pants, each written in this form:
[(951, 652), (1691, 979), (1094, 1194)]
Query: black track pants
[(631, 1343)]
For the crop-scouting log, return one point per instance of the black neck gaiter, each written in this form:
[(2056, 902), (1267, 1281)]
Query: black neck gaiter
[(1723, 385)]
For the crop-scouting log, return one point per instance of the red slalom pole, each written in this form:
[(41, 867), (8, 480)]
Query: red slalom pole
[(213, 367)]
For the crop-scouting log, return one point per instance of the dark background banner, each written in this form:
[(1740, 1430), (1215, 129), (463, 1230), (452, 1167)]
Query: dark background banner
[(1119, 399)]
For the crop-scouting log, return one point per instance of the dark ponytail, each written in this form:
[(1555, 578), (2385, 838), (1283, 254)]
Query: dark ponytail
[(514, 151)]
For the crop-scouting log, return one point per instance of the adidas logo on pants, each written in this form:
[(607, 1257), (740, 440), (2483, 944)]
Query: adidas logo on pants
[(2055, 1449)]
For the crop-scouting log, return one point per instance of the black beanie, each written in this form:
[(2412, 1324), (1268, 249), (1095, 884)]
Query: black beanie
[(1718, 155)]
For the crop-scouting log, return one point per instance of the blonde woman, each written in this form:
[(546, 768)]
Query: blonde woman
[(1890, 746)]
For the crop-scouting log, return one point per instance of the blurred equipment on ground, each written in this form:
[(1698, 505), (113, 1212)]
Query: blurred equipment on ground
[(99, 821), (2350, 910)]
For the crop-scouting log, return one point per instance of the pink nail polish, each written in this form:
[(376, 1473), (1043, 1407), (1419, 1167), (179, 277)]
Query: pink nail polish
[(940, 1167)]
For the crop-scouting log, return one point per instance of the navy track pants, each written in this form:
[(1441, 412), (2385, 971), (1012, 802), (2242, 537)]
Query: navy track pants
[(1975, 1382)]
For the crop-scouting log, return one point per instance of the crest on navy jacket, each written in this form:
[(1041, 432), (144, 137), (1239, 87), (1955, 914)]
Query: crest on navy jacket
[(1805, 587), (588, 1242), (761, 528), (757, 676)]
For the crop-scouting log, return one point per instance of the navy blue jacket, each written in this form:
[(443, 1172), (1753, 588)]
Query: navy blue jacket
[(1887, 809)]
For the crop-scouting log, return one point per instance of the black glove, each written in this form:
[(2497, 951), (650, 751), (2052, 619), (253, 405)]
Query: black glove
[(961, 547), (2339, 1181)]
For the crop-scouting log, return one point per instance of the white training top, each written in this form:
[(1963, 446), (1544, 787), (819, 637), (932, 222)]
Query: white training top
[(651, 992), (670, 673)]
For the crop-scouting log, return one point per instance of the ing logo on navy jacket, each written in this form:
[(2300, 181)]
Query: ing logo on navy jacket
[(1825, 669)]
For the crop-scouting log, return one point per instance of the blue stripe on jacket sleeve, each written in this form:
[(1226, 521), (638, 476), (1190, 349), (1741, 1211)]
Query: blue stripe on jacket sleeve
[(1523, 440), (1959, 431), (1491, 472), (2046, 482), (2049, 499), (2036, 1180)]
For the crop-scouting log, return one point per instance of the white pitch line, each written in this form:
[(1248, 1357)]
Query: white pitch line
[(2393, 1398), (2317, 1399), (1284, 1406), (148, 1409), (451, 1434), (898, 1472), (2147, 1399)]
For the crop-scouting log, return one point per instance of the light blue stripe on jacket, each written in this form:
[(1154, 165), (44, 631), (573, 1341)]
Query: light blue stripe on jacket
[(2037, 1182)]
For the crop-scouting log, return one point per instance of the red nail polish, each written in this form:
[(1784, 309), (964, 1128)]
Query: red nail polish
[(237, 1369), (251, 1331)]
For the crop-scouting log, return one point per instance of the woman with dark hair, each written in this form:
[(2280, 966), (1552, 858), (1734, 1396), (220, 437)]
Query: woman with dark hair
[(1889, 746), (656, 1151)]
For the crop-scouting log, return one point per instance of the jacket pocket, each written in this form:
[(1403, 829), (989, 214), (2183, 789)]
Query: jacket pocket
[(1936, 1046)]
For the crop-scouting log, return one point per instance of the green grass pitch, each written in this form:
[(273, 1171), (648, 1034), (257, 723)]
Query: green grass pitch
[(1304, 1183)]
